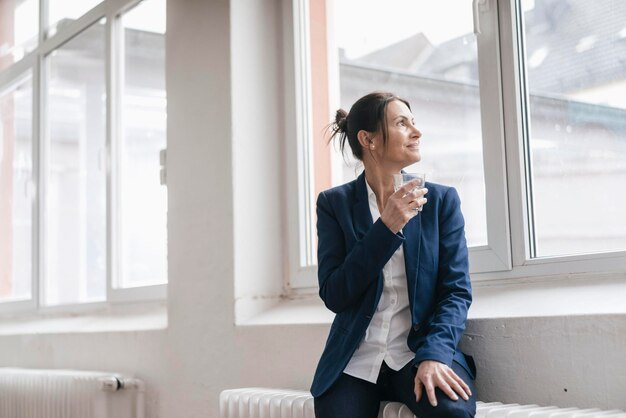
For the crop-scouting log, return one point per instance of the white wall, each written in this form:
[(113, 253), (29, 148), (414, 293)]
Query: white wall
[(225, 107), (257, 153), (565, 361), (225, 216)]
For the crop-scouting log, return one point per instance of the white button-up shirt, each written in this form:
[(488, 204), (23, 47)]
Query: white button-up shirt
[(386, 336)]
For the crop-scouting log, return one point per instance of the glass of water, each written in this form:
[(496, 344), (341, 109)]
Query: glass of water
[(400, 179)]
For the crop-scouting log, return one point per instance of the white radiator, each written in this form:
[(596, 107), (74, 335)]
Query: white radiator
[(31, 393), (278, 403)]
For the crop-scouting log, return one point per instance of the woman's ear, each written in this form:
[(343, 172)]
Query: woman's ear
[(365, 139)]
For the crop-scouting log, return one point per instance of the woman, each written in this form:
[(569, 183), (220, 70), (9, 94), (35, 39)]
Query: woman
[(396, 277)]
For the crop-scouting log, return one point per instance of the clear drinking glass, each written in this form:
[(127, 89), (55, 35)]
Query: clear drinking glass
[(400, 179)]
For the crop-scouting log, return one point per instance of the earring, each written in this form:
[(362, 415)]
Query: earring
[(372, 146)]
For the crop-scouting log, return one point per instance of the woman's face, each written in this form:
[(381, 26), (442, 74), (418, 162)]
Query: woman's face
[(403, 139)]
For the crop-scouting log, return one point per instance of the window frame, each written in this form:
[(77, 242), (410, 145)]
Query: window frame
[(34, 61), (515, 97), (498, 27), (298, 153), (9, 78)]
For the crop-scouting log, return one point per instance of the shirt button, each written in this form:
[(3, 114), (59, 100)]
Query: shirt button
[(385, 326), (393, 301)]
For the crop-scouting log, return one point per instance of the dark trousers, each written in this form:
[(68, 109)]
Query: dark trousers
[(350, 397)]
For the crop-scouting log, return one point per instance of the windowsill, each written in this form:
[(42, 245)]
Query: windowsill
[(305, 310), (564, 296), (115, 318), (553, 298)]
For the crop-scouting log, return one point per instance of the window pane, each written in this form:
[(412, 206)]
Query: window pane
[(19, 29), (577, 87), (63, 12), (76, 171), (143, 200), (16, 203), (424, 53)]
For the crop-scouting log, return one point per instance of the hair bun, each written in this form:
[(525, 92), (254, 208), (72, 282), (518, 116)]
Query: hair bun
[(341, 120)]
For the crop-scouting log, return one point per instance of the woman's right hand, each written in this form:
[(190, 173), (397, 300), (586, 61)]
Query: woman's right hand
[(402, 206)]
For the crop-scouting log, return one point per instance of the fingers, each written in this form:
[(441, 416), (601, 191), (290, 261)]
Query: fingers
[(456, 388), (457, 384), (442, 377), (411, 193), (418, 204), (432, 381), (402, 206), (430, 392), (427, 380), (409, 185), (445, 388), (414, 199), (460, 386), (418, 389)]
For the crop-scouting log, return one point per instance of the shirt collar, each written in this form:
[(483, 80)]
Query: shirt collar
[(370, 192), (373, 204)]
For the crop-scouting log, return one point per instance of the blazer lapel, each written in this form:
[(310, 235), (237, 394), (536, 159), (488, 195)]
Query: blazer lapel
[(412, 245), (361, 215), (362, 221)]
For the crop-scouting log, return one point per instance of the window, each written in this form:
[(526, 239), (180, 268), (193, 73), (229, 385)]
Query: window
[(16, 185), (61, 13), (520, 104), (141, 121), (428, 56), (18, 30), (75, 204), (83, 140), (577, 135)]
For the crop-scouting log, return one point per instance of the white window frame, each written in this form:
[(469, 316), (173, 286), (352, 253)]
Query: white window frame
[(112, 10), (299, 152), (9, 78), (504, 122), (514, 94)]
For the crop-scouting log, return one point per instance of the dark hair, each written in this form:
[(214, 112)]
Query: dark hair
[(369, 113)]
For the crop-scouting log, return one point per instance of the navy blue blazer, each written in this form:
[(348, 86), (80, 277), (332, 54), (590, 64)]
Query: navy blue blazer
[(352, 251)]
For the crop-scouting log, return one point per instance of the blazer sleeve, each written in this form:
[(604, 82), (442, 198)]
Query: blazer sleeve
[(345, 274), (453, 291)]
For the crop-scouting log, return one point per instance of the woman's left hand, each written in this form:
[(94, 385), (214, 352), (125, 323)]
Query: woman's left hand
[(432, 374)]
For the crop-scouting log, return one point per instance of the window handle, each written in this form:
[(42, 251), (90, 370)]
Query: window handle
[(476, 4), (162, 163)]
